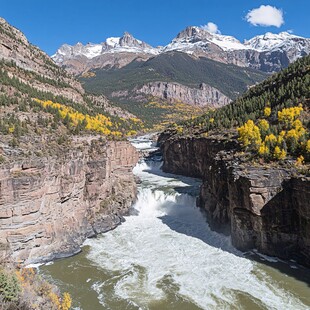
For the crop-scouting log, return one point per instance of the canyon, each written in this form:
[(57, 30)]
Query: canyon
[(262, 207), (65, 186)]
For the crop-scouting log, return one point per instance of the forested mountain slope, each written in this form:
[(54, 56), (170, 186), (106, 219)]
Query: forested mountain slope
[(271, 117)]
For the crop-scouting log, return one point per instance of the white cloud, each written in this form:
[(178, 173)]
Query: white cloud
[(265, 15), (211, 27)]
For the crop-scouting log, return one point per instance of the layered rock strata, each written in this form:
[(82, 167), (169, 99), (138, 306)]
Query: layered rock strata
[(49, 206), (173, 92), (263, 208)]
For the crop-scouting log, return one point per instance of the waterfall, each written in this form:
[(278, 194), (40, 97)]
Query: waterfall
[(164, 256)]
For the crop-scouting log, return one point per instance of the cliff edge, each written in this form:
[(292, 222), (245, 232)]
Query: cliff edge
[(263, 208)]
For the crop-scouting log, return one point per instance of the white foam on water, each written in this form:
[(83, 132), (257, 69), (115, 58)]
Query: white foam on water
[(170, 238), (97, 288), (144, 142), (142, 145), (36, 266)]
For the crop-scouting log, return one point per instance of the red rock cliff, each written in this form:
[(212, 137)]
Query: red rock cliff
[(48, 206)]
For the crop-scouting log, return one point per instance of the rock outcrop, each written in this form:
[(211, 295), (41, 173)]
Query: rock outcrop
[(48, 206), (262, 208), (174, 92)]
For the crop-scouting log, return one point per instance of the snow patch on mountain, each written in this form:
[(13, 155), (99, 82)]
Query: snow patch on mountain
[(270, 41), (228, 42), (113, 41)]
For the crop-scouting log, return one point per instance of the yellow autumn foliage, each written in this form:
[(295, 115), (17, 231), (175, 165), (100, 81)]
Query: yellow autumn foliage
[(292, 137), (300, 160), (267, 111), (249, 134), (263, 150), (279, 153), (308, 146), (288, 115), (263, 125), (31, 284), (98, 123), (66, 302)]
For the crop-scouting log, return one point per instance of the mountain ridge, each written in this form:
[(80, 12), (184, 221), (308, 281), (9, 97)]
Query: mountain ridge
[(257, 52), (172, 77)]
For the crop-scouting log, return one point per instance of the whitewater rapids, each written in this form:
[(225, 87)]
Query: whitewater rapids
[(164, 256)]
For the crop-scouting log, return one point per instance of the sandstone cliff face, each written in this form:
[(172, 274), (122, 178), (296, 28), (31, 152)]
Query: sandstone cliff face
[(204, 96), (266, 209), (49, 206)]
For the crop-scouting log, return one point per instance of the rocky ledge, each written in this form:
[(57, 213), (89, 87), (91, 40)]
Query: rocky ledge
[(175, 92), (263, 208), (49, 206)]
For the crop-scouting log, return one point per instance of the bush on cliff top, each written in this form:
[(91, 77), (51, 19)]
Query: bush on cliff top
[(273, 138)]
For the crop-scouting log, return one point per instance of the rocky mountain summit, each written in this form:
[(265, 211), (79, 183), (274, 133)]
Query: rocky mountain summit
[(126, 43), (115, 51), (268, 52)]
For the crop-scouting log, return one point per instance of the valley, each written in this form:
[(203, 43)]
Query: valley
[(169, 177), (165, 256)]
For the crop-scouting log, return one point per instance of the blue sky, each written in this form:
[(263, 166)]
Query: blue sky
[(48, 24)]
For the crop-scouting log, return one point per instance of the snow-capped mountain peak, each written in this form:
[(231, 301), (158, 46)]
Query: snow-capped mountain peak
[(270, 41), (268, 52), (127, 44), (195, 38)]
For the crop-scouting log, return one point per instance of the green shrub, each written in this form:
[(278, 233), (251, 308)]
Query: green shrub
[(9, 287)]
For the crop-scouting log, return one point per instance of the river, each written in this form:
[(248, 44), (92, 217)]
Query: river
[(164, 256)]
